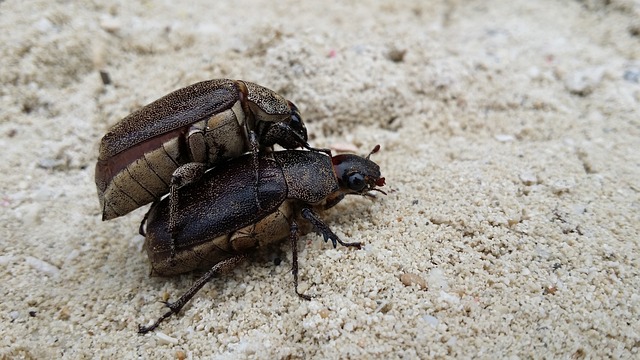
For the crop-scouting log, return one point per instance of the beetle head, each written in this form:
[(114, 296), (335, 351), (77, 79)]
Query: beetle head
[(275, 119), (290, 132), (357, 174)]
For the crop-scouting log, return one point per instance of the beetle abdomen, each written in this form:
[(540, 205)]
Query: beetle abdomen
[(140, 182), (199, 256), (269, 230), (224, 135)]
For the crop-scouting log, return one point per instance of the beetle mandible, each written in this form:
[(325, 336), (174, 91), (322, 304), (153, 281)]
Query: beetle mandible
[(218, 221), (173, 140)]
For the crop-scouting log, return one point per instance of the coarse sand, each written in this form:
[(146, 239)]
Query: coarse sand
[(510, 137)]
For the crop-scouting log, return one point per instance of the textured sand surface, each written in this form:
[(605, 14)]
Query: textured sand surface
[(509, 130)]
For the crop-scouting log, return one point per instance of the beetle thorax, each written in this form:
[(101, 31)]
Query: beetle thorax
[(309, 175)]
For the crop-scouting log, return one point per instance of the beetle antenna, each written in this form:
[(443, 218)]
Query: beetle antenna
[(326, 151), (378, 190), (375, 150), (373, 196)]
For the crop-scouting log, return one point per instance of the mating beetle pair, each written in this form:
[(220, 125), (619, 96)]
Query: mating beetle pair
[(211, 219)]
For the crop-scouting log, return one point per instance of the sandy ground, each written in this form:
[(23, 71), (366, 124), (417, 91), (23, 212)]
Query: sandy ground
[(509, 130)]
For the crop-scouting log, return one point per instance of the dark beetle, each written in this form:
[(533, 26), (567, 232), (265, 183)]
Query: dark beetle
[(171, 141), (218, 219)]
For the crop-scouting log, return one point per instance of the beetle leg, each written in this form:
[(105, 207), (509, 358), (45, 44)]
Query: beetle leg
[(324, 229), (175, 307), (197, 143), (326, 151), (141, 230), (253, 140), (184, 175), (293, 237)]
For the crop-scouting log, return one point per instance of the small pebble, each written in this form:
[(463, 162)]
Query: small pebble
[(437, 279), (632, 75), (504, 137), (396, 55), (164, 338), (528, 179), (349, 326), (452, 341), (64, 313), (52, 164), (412, 279), (44, 25), (110, 24), (431, 320), (583, 82), (42, 266), (30, 214), (451, 299), (560, 187), (324, 313), (6, 259)]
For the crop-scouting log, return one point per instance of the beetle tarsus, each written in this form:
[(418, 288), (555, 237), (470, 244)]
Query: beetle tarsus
[(146, 329), (176, 306), (323, 229)]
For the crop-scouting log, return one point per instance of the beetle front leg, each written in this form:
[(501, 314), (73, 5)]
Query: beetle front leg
[(324, 229), (175, 307)]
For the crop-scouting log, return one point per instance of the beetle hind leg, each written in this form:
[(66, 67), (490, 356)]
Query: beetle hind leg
[(175, 307), (293, 238)]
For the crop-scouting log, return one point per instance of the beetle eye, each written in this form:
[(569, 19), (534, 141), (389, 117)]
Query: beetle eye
[(356, 182), (296, 121)]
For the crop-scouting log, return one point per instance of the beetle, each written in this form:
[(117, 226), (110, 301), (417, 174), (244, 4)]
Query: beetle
[(173, 140), (219, 219)]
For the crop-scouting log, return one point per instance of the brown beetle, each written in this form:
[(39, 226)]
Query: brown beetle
[(173, 140), (218, 219)]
